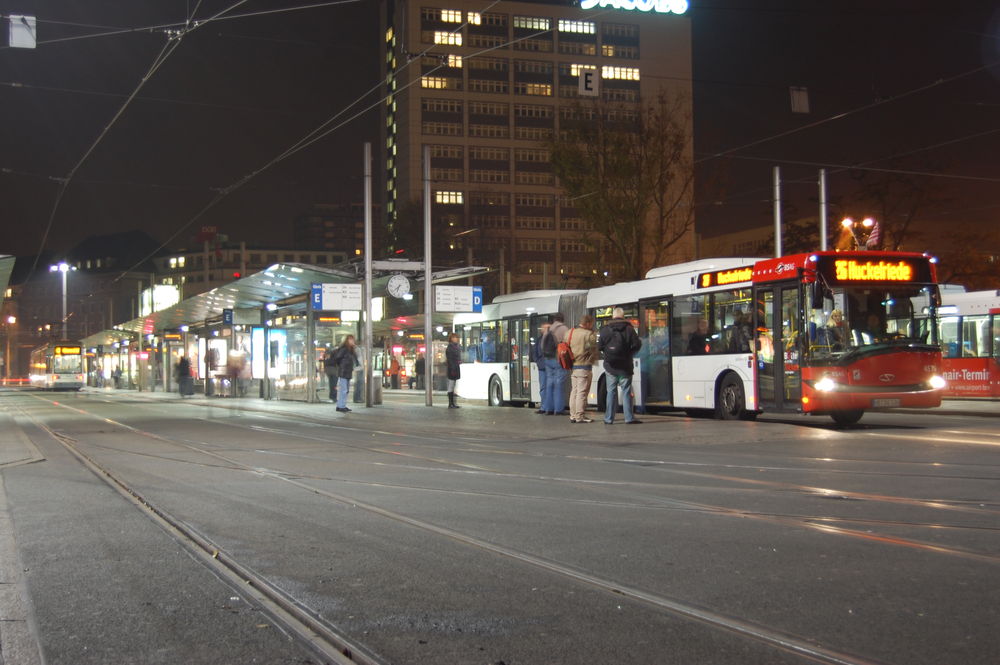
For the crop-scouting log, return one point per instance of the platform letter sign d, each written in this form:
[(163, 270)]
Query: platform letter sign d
[(588, 83), (477, 298)]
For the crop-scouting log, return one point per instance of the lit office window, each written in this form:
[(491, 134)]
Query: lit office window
[(474, 18), (574, 70), (448, 197), (624, 73), (451, 38), (451, 16), (585, 27), (454, 60)]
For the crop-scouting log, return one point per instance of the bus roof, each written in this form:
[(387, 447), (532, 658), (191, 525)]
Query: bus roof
[(701, 265), (970, 302)]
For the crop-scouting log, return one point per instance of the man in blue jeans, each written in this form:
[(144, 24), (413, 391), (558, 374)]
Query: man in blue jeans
[(555, 386), (539, 358), (618, 342)]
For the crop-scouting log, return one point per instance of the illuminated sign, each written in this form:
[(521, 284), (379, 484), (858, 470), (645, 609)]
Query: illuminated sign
[(723, 277), (852, 270), (659, 6), (67, 350), (172, 337)]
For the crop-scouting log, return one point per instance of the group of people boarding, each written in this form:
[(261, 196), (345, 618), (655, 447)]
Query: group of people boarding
[(617, 342)]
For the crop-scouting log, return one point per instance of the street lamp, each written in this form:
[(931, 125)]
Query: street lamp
[(64, 268)]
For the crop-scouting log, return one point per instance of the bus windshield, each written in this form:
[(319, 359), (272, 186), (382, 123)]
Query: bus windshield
[(845, 319), (67, 364)]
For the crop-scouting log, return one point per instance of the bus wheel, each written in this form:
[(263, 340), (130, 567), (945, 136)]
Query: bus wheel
[(495, 392), (847, 417), (731, 400)]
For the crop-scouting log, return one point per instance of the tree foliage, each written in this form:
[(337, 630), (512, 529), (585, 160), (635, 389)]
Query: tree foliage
[(627, 169), (895, 198)]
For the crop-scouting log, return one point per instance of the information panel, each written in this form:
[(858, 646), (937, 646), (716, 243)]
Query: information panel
[(458, 298), (336, 297)]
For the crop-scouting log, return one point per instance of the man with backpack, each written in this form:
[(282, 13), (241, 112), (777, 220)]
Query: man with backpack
[(555, 384), (619, 342)]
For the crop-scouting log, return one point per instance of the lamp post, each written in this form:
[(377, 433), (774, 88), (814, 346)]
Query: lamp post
[(64, 268), (10, 321)]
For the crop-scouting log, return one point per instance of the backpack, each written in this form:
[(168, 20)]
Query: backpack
[(615, 347), (549, 346), (565, 353)]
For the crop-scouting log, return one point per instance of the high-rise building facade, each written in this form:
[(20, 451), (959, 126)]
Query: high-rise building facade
[(485, 85)]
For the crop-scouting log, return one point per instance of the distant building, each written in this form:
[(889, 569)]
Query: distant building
[(334, 227), (485, 90)]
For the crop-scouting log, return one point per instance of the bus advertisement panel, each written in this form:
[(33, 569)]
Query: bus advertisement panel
[(969, 334)]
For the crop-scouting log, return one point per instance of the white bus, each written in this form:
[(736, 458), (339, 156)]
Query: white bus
[(665, 309), (737, 336), (498, 363), (969, 334), (57, 366)]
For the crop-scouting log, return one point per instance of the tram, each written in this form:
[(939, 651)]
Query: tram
[(57, 366)]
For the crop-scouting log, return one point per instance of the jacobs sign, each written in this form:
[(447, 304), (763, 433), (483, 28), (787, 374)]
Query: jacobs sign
[(661, 6)]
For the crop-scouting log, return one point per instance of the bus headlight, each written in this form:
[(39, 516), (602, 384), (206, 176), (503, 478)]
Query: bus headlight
[(937, 382), (826, 384)]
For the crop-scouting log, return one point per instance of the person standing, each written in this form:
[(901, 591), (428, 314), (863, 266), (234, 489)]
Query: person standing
[(453, 358), (619, 343), (555, 384), (539, 358), (332, 373), (583, 343), (346, 358), (183, 370)]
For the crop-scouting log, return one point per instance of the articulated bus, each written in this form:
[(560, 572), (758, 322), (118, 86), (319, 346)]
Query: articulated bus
[(741, 336), (498, 363), (969, 333), (57, 366)]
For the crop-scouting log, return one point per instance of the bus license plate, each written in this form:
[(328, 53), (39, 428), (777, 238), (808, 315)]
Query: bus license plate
[(884, 403)]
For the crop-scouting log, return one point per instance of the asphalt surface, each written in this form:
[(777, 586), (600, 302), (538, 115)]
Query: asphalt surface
[(494, 535)]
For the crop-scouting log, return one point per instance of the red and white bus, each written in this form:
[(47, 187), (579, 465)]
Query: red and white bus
[(969, 333), (742, 336)]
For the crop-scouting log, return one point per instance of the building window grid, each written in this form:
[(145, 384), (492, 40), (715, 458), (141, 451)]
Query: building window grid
[(441, 105), (620, 30), (489, 131), (533, 111), (487, 41), (534, 223), (616, 51), (533, 66), (488, 153), (489, 198), (489, 86), (536, 244), (577, 48), (533, 45), (620, 73), (534, 178), (573, 246), (442, 128), (488, 108), (533, 133), (489, 176), (532, 23), (533, 89), (532, 155), (449, 175), (491, 221), (448, 38), (534, 200), (489, 64), (440, 83)]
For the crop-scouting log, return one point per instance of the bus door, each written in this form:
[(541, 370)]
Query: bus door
[(657, 386), (777, 326), (519, 334)]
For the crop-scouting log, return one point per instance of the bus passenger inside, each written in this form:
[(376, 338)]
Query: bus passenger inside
[(833, 334), (738, 334), (700, 342), (873, 330)]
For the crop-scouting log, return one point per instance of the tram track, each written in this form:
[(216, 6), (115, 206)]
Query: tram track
[(340, 649), (763, 634)]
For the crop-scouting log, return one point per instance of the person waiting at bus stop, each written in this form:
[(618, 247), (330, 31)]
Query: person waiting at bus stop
[(539, 358), (619, 343), (555, 382), (346, 359), (583, 343)]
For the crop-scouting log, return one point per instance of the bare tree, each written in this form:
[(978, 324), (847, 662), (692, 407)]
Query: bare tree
[(895, 198), (627, 169)]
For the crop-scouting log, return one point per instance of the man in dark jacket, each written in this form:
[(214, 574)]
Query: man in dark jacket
[(618, 342), (346, 358)]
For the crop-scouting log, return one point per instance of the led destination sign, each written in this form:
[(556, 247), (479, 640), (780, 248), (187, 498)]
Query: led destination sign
[(723, 277), (852, 270), (659, 6), (66, 350)]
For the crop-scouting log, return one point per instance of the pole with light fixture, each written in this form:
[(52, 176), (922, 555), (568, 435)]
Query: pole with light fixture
[(63, 268)]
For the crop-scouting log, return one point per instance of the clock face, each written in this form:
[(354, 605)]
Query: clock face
[(398, 286)]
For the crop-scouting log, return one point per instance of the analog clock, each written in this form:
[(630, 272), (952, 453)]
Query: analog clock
[(398, 286)]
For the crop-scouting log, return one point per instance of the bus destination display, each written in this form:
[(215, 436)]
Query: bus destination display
[(723, 277)]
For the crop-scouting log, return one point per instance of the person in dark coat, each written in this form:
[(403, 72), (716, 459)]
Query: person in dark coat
[(332, 372), (346, 359), (619, 342), (453, 358), (183, 371)]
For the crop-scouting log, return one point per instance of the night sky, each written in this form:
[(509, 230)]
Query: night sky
[(236, 93)]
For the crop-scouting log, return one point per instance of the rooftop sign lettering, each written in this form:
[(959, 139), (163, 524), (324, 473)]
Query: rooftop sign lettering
[(660, 6)]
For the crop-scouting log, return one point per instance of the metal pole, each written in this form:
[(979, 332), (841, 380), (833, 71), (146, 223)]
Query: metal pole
[(310, 351), (823, 232), (777, 211), (428, 287), (369, 385), (64, 335)]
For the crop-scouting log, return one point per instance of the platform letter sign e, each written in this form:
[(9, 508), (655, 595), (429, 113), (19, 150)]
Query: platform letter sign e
[(588, 83)]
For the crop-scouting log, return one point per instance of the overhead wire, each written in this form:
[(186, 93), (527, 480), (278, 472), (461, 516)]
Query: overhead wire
[(173, 41)]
